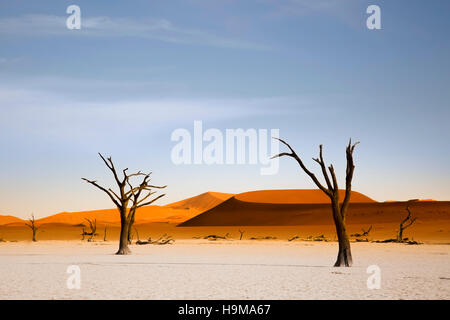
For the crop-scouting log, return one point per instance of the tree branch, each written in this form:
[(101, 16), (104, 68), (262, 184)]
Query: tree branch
[(321, 162), (111, 167), (348, 175), (94, 183), (300, 162), (150, 202)]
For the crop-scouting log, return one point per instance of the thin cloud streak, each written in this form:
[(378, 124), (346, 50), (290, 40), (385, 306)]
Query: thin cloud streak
[(151, 29)]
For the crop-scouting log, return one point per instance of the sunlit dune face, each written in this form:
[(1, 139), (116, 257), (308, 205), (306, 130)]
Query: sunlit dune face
[(202, 202), (172, 213), (9, 219), (296, 196)]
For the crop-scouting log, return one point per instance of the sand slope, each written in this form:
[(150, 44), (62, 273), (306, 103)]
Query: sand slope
[(235, 212), (202, 202), (4, 220), (172, 213), (296, 196), (259, 214)]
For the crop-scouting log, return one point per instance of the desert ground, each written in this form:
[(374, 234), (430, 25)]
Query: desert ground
[(287, 251), (228, 269)]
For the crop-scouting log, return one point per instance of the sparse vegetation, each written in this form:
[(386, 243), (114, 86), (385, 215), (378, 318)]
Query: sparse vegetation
[(309, 238), (164, 239), (128, 199), (363, 234), (93, 230), (34, 228), (214, 237), (241, 234), (263, 238), (332, 191), (406, 223)]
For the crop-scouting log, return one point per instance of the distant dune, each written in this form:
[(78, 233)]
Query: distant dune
[(176, 212), (307, 207), (296, 196), (202, 202), (4, 220), (280, 213)]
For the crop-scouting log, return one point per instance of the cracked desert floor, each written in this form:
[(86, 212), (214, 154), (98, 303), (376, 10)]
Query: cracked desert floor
[(200, 269)]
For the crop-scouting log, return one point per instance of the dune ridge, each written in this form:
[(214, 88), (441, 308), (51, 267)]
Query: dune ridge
[(297, 196), (202, 202), (264, 208), (4, 220), (175, 212)]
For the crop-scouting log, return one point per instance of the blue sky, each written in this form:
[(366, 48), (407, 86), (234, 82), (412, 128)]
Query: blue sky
[(137, 71)]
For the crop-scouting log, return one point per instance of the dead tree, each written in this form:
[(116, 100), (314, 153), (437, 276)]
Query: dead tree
[(366, 233), (164, 239), (93, 228), (214, 237), (332, 191), (130, 232), (137, 234), (363, 234), (104, 235), (128, 199), (34, 228), (406, 223), (242, 234)]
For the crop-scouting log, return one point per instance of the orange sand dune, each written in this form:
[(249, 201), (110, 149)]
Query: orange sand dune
[(111, 216), (262, 212), (9, 219), (173, 213), (202, 202), (279, 213), (296, 196)]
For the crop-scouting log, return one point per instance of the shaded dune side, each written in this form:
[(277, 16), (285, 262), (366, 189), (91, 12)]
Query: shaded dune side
[(234, 212)]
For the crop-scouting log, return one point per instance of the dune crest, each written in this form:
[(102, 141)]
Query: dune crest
[(176, 212), (9, 219), (202, 202), (296, 196)]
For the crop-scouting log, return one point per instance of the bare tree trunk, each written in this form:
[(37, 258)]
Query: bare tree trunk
[(332, 191), (123, 241), (406, 223), (344, 258), (130, 227), (138, 196), (400, 235), (34, 228)]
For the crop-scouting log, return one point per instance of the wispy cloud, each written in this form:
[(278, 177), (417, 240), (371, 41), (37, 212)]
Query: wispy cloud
[(6, 61), (151, 29), (40, 110)]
